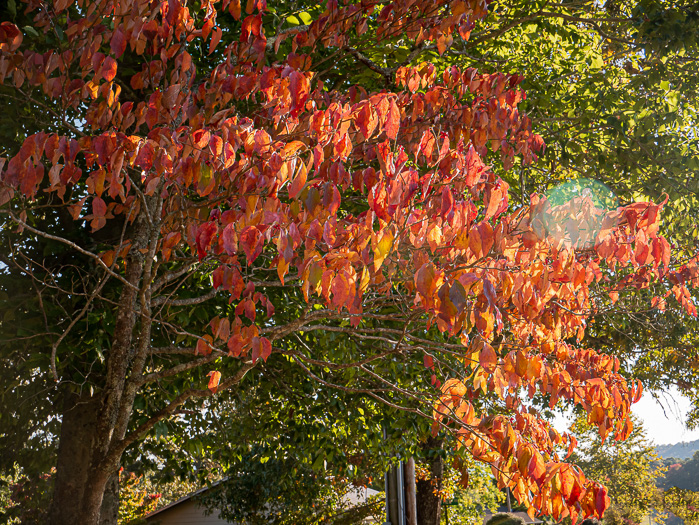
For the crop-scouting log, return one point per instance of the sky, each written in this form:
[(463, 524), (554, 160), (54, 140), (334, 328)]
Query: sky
[(662, 427), (665, 428)]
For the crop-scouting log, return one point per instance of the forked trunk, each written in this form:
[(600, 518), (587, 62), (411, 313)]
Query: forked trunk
[(74, 486)]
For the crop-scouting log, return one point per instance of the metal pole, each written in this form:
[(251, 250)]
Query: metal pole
[(400, 486), (386, 492), (394, 497), (387, 488)]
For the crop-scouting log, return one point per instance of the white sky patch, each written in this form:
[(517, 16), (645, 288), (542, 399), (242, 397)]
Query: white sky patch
[(665, 427)]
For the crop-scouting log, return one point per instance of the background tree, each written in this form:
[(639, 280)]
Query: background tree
[(684, 504), (682, 474), (629, 469), (680, 486)]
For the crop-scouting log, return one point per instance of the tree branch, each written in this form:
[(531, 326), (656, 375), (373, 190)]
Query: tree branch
[(385, 72), (118, 447), (72, 245), (184, 302), (178, 369)]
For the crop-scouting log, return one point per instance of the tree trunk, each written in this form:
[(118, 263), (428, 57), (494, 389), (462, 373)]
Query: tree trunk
[(72, 482), (429, 503), (109, 512), (86, 492)]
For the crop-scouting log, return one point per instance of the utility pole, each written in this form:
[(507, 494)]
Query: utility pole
[(395, 496)]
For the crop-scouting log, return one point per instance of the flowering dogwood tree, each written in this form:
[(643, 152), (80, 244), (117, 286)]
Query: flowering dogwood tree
[(370, 199)]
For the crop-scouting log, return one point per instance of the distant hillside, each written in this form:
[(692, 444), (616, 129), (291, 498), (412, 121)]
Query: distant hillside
[(684, 450)]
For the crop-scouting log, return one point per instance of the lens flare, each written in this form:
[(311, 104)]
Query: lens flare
[(574, 212)]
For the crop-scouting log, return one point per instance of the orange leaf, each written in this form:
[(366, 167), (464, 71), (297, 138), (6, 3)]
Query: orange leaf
[(214, 379), (425, 280), (215, 39), (488, 358), (299, 182), (261, 348), (382, 249), (537, 467), (203, 346), (392, 120)]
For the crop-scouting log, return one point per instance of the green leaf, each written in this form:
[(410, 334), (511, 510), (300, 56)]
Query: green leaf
[(30, 31), (305, 18)]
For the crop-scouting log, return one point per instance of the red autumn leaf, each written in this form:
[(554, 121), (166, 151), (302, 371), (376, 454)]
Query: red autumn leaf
[(99, 207), (234, 8), (441, 44), (575, 493), (251, 26), (201, 138), (205, 235), (266, 348), (496, 200), (252, 242), (299, 88), (428, 361), (427, 143), (118, 42), (382, 108), (474, 167), (145, 157), (567, 481), (109, 69), (170, 241), (221, 328), (340, 291), (366, 120), (638, 392), (230, 239), (602, 500), (10, 36)]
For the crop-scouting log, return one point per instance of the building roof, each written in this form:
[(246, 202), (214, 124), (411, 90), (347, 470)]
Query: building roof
[(354, 496), (183, 499), (521, 514)]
